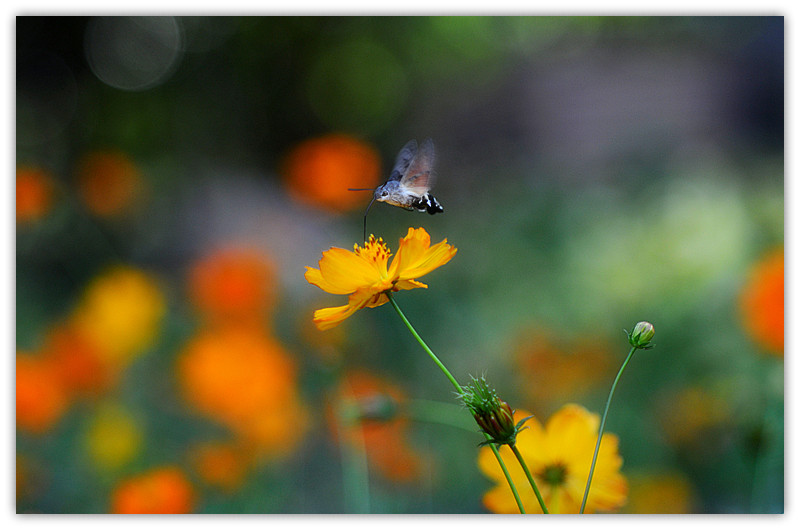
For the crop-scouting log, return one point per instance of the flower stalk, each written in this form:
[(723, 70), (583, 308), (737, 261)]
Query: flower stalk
[(639, 339), (496, 420), (530, 477), (459, 390)]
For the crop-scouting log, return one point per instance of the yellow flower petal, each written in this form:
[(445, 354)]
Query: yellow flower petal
[(415, 257), (330, 317), (314, 277), (363, 274), (405, 285), (346, 270), (566, 442)]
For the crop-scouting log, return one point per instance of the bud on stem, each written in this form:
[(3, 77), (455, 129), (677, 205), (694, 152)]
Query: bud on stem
[(641, 335), (494, 416)]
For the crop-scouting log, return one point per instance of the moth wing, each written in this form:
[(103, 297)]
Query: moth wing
[(404, 158), (418, 178)]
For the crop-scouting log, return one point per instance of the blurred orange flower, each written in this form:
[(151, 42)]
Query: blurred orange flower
[(121, 312), (244, 379), (320, 171), (362, 412), (220, 464), (554, 372), (559, 456), (81, 366), (365, 273), (163, 490), (109, 183), (41, 397), (660, 493), (233, 285), (34, 189), (761, 303)]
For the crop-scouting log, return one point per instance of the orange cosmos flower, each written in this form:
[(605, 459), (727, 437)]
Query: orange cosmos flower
[(34, 194), (233, 285), (220, 464), (319, 171), (162, 491), (83, 368), (41, 397), (109, 183), (244, 379), (364, 413), (761, 303), (559, 456), (690, 415), (366, 274), (554, 371)]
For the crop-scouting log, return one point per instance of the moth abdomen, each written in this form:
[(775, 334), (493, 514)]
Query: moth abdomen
[(427, 203)]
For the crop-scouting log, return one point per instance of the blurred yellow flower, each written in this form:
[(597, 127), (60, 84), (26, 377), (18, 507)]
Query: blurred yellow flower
[(761, 303), (121, 312), (660, 493), (690, 414), (164, 490), (113, 437), (366, 274), (559, 456), (319, 172)]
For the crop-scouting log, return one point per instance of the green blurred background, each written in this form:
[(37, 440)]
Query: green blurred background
[(594, 171)]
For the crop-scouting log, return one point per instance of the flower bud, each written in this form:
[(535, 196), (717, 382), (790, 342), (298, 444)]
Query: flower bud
[(494, 416), (641, 335)]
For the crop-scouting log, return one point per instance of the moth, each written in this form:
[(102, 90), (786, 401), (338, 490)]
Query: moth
[(410, 181)]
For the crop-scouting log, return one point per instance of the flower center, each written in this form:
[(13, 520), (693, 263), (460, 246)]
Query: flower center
[(554, 474), (376, 252)]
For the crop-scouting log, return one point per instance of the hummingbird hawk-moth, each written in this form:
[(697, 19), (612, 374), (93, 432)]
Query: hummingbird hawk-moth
[(410, 181)]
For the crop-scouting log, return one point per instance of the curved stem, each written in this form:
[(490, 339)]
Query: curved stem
[(459, 390), (530, 477), (422, 343), (602, 427)]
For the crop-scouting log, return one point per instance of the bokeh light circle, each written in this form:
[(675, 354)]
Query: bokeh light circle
[(133, 53)]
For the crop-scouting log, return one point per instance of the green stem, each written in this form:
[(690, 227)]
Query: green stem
[(493, 447), (354, 466), (422, 343), (602, 427), (459, 390), (530, 477)]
